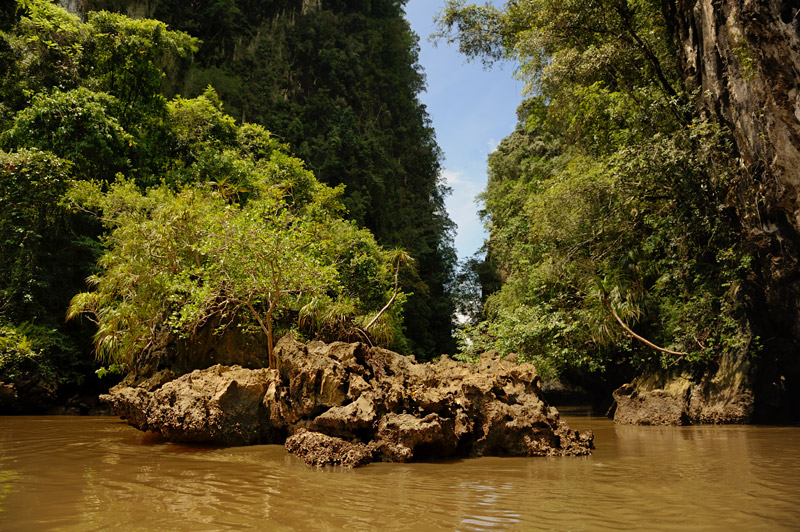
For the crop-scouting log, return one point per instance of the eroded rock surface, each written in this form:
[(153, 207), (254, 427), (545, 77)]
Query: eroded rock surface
[(721, 395), (317, 449), (348, 404), (742, 60), (217, 405)]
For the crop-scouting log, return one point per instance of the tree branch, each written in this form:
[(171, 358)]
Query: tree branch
[(645, 341), (394, 296)]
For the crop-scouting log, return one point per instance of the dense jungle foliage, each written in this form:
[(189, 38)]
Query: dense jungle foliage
[(267, 196), (338, 82), (608, 207), (180, 217)]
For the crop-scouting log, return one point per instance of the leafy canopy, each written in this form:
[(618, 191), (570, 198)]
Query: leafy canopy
[(607, 207), (252, 248), (203, 222), (339, 83)]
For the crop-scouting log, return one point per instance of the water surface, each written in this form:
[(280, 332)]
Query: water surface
[(97, 473)]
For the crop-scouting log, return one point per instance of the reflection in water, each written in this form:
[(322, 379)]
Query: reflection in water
[(7, 479), (488, 506), (99, 474)]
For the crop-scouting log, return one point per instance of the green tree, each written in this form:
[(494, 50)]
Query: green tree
[(43, 262), (98, 82), (78, 126), (43, 256), (201, 256), (339, 83), (607, 207), (257, 257), (182, 191)]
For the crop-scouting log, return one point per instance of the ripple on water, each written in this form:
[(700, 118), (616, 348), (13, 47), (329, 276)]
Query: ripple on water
[(99, 474)]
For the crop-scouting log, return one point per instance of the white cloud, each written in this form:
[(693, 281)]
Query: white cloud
[(452, 178)]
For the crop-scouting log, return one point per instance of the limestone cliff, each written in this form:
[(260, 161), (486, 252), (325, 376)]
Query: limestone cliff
[(741, 60)]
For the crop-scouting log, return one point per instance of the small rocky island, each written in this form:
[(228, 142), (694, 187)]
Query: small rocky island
[(349, 404)]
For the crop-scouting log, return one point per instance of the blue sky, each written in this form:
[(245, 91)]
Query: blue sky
[(472, 109)]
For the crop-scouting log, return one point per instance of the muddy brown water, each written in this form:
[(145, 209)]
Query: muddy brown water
[(96, 473)]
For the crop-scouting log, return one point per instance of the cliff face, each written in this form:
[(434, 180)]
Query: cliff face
[(744, 55), (742, 59), (131, 8)]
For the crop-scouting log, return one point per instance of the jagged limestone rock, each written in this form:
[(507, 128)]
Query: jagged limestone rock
[(348, 404)]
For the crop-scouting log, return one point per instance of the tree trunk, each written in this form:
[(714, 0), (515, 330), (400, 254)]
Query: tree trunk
[(270, 343), (266, 329)]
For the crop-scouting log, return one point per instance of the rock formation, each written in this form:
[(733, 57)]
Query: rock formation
[(721, 395), (743, 59), (349, 404)]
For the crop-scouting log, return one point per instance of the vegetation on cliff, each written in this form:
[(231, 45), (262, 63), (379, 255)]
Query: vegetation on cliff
[(78, 101), (609, 207), (180, 217), (262, 246), (339, 83), (642, 215)]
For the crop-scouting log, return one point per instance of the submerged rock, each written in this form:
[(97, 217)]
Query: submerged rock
[(317, 449), (348, 404)]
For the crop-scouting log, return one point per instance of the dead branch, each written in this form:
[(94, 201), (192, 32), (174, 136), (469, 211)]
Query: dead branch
[(642, 339)]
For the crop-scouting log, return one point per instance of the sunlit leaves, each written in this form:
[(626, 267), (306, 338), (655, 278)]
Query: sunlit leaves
[(608, 204), (340, 83), (182, 260), (78, 125)]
